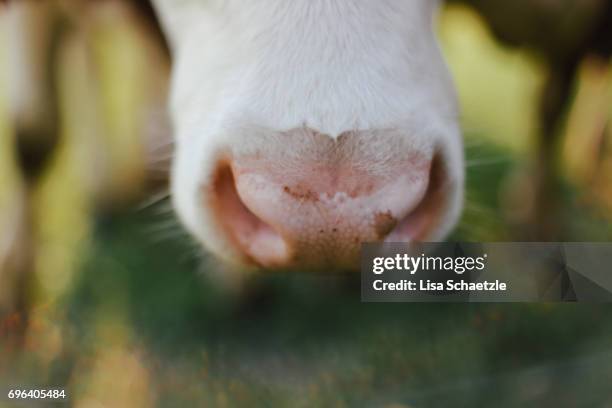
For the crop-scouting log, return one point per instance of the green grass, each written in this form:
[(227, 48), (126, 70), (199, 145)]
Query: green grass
[(301, 340), (312, 341)]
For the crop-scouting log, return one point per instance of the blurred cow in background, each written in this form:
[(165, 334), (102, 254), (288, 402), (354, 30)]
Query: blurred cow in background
[(563, 33), (55, 58)]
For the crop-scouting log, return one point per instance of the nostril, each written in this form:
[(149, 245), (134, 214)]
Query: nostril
[(254, 237), (417, 225)]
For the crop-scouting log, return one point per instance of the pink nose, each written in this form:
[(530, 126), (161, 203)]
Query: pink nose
[(314, 215)]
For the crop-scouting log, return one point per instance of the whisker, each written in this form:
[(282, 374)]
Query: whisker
[(158, 171), (154, 199), (162, 226), (479, 209), (162, 237), (164, 210), (487, 161), (473, 142), (160, 159)]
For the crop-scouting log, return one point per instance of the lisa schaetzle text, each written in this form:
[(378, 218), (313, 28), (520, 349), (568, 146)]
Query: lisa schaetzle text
[(404, 263)]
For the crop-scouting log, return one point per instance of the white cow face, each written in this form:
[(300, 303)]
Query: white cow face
[(306, 127)]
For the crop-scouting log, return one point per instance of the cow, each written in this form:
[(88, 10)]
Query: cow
[(305, 128)]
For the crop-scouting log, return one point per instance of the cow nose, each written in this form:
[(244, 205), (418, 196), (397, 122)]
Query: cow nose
[(314, 215)]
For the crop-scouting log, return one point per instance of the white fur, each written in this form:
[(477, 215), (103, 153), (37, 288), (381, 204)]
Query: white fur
[(246, 68)]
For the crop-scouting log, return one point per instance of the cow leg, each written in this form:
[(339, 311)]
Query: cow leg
[(554, 103), (33, 31), (32, 34)]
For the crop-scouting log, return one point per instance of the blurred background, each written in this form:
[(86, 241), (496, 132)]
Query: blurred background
[(102, 292)]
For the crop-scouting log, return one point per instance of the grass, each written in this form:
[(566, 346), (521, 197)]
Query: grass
[(294, 340), (320, 346)]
